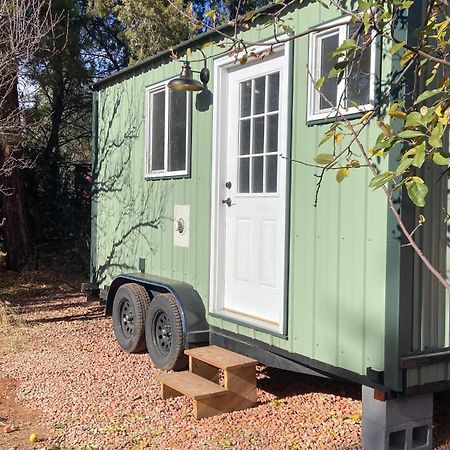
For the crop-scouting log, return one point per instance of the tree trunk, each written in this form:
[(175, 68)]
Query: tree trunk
[(16, 229)]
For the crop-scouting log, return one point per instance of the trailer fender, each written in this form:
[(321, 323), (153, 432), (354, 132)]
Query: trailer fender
[(189, 302)]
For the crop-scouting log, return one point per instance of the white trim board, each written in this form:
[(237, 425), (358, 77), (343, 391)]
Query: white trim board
[(222, 68)]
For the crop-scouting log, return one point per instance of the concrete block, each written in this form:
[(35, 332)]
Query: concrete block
[(400, 424), (410, 436), (396, 411)]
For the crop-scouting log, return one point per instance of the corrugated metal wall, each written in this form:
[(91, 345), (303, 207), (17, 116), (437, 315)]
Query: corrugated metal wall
[(431, 311), (135, 217), (338, 250)]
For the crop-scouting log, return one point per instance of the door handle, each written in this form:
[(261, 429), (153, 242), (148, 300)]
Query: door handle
[(227, 202)]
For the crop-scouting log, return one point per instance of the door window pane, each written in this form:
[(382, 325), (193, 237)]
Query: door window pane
[(244, 137), (274, 92), (257, 174), (244, 175), (177, 131), (158, 107), (272, 133), (271, 173), (329, 88), (258, 135), (259, 95), (246, 97)]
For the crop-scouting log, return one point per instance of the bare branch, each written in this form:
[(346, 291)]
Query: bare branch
[(23, 26)]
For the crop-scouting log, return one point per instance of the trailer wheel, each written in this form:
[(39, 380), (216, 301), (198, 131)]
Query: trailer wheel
[(164, 333), (129, 311)]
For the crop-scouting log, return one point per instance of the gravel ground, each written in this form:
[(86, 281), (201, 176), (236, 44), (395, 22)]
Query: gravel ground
[(91, 395)]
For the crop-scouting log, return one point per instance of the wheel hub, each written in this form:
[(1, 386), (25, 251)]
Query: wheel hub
[(127, 317), (162, 333)]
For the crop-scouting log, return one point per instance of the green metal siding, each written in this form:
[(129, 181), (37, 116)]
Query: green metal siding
[(134, 217), (431, 313), (337, 255), (338, 277)]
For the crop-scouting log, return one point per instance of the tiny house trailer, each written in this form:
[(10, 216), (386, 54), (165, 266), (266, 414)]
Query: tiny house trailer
[(204, 228)]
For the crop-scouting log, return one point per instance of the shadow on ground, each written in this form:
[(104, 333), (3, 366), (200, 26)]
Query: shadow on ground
[(282, 383)]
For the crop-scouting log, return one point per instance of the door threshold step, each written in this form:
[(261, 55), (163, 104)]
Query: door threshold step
[(220, 357), (189, 384)]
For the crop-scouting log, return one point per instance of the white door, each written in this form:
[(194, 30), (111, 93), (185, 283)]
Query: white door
[(251, 219)]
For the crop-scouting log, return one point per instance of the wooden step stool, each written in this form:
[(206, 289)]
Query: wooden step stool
[(201, 382)]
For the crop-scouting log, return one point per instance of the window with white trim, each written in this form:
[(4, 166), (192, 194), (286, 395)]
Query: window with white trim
[(168, 132), (355, 91)]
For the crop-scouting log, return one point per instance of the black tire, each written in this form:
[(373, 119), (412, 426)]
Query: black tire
[(129, 311), (164, 333)]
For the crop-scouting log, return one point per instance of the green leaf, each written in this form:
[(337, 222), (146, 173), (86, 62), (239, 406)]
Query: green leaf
[(397, 114), (404, 164), (348, 44), (328, 136), (417, 192), (406, 4), (342, 174), (384, 144), (414, 119), (395, 48), (435, 141), (417, 180), (323, 159), (431, 77), (337, 69), (381, 179), (419, 156), (409, 134), (406, 57), (319, 83), (440, 160), (364, 4), (426, 95)]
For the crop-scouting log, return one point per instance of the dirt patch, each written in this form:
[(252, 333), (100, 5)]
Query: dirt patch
[(17, 422)]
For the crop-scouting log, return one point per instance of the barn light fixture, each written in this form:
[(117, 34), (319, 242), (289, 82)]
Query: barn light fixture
[(186, 81)]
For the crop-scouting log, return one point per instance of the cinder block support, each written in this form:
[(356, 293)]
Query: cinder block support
[(400, 424)]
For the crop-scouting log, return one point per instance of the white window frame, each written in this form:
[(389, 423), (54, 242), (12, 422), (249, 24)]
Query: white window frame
[(165, 173), (314, 112)]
